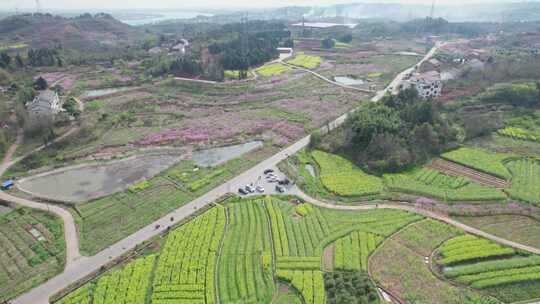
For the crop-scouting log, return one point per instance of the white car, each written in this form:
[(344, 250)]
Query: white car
[(272, 180), (250, 189), (260, 189)]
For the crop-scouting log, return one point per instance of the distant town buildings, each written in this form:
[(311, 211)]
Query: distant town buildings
[(180, 47), (428, 84), (45, 105), (155, 50)]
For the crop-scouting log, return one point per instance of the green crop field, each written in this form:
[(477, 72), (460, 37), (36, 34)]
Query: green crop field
[(235, 74), (5, 47), (352, 252), (427, 182), (522, 127), (400, 264), (481, 160), (499, 271), (468, 248), (109, 219), (305, 61), (27, 260), (518, 133), (343, 178), (124, 286), (240, 252), (525, 180), (272, 69), (245, 263)]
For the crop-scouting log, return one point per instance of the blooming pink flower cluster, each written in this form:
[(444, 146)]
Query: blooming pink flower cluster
[(224, 126), (66, 81)]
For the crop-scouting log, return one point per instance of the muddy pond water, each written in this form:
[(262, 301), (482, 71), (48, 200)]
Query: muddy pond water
[(82, 183), (217, 156), (348, 80), (102, 92)]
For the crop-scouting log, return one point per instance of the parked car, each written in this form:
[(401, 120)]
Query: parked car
[(260, 189), (284, 182), (280, 189), (250, 189), (272, 180), (242, 191), (268, 171)]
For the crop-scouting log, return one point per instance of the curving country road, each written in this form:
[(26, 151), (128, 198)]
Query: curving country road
[(82, 267), (423, 212), (70, 229)]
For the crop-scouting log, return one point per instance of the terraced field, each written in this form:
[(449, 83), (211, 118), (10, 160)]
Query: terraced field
[(343, 178), (272, 69), (525, 180), (32, 250), (400, 264), (352, 252), (500, 271), (454, 169), (305, 61), (481, 160), (427, 182), (240, 252)]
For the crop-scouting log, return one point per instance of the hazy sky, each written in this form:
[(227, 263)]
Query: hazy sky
[(140, 4)]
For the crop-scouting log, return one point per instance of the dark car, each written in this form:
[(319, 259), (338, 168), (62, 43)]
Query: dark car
[(280, 189), (267, 171), (242, 191), (284, 182)]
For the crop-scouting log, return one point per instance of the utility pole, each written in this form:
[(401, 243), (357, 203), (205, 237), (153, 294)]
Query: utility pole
[(244, 41)]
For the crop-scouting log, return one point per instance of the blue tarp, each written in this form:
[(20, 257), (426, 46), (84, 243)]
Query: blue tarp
[(7, 184)]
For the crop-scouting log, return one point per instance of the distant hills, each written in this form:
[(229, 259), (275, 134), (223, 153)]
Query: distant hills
[(490, 12), (82, 33)]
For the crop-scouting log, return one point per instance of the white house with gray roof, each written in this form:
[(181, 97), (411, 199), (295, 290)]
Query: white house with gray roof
[(46, 104), (428, 85)]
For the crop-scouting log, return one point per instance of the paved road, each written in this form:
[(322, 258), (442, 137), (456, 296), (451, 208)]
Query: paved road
[(85, 266), (423, 212), (70, 230)]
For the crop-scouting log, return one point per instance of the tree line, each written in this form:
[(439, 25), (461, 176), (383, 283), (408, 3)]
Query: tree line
[(393, 135), (35, 58)]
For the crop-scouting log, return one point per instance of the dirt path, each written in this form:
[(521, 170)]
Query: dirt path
[(324, 78), (425, 213), (70, 230)]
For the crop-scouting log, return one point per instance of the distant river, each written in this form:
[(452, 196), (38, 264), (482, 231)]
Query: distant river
[(139, 18)]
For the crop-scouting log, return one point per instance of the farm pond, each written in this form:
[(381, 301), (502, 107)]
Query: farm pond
[(103, 92), (217, 156), (348, 80), (86, 182), (77, 184)]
